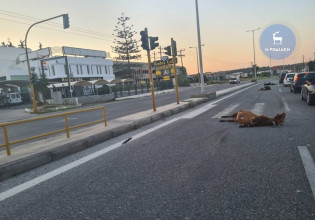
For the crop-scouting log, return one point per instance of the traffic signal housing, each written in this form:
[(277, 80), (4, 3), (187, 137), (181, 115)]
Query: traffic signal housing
[(175, 48), (144, 39), (65, 21), (168, 50), (153, 44)]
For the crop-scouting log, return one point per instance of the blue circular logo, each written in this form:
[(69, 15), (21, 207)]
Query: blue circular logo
[(277, 42)]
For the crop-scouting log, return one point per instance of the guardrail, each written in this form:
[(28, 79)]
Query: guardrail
[(66, 129)]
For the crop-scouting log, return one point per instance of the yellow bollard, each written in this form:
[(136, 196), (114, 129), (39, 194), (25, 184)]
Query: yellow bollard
[(6, 140), (67, 126)]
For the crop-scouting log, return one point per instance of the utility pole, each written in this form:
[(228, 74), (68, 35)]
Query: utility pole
[(181, 56), (253, 31), (202, 82), (160, 52)]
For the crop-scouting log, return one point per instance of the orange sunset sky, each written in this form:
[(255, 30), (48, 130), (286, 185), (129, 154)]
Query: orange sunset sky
[(223, 25)]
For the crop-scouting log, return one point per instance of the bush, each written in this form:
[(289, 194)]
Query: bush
[(104, 90)]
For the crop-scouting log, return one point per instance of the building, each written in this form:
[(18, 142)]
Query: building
[(63, 64), (60, 65)]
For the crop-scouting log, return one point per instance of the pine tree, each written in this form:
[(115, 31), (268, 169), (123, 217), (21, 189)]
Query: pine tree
[(126, 47)]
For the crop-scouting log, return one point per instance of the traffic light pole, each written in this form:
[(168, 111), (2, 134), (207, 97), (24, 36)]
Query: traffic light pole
[(174, 66), (28, 62), (151, 80)]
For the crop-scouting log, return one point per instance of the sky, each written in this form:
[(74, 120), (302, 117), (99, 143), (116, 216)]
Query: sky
[(223, 26)]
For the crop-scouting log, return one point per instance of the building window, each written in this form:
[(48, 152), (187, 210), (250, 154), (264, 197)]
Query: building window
[(78, 71), (88, 69), (94, 70), (53, 70), (81, 69)]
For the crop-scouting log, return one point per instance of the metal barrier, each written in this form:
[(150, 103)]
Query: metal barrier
[(67, 128)]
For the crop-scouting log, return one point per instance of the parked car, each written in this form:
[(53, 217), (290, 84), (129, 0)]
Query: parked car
[(288, 79), (308, 89), (281, 78), (297, 82), (10, 99), (234, 80)]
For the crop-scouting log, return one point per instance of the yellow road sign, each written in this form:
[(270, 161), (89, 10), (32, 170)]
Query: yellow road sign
[(166, 78)]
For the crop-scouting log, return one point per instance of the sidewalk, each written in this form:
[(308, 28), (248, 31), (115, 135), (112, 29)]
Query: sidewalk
[(29, 156)]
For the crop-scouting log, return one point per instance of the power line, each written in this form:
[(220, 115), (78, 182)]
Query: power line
[(56, 30), (76, 29)]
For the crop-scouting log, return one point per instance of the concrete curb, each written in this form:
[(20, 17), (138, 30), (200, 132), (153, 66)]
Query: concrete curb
[(36, 160)]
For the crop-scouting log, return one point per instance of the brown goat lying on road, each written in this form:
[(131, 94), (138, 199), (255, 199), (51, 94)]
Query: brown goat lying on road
[(250, 119)]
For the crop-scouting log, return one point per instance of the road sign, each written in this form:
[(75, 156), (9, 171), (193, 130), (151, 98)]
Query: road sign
[(163, 63), (164, 67), (166, 78)]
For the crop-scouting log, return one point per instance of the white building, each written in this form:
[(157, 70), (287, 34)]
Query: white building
[(83, 64), (9, 70)]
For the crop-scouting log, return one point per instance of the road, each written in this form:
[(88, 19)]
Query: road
[(114, 110), (189, 166)]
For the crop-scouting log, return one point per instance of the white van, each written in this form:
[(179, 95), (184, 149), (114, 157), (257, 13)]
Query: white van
[(14, 98)]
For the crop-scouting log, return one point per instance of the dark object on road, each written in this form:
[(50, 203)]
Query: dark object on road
[(265, 88), (268, 84), (126, 141), (250, 119)]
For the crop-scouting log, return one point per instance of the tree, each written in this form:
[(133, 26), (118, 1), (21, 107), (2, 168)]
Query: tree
[(182, 77), (126, 47), (40, 85), (121, 69), (311, 66)]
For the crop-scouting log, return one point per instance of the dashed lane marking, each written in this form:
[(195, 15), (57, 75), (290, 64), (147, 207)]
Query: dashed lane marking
[(226, 111), (259, 108)]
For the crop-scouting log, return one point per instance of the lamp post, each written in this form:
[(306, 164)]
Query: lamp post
[(66, 25), (253, 31), (200, 53), (197, 61)]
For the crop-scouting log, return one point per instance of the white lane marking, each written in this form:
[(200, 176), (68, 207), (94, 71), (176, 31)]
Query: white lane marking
[(226, 111), (68, 119), (285, 104), (198, 111), (24, 186), (309, 166), (259, 108)]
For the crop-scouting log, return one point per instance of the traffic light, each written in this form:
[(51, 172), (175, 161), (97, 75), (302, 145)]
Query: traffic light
[(144, 39), (153, 44), (65, 21), (168, 50)]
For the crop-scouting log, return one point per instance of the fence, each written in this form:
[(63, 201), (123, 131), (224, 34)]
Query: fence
[(66, 129)]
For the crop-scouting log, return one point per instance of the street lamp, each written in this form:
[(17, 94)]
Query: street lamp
[(65, 25), (253, 31), (197, 61), (200, 54)]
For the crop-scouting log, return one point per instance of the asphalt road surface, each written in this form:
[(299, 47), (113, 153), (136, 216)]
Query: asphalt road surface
[(113, 109), (188, 166)]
